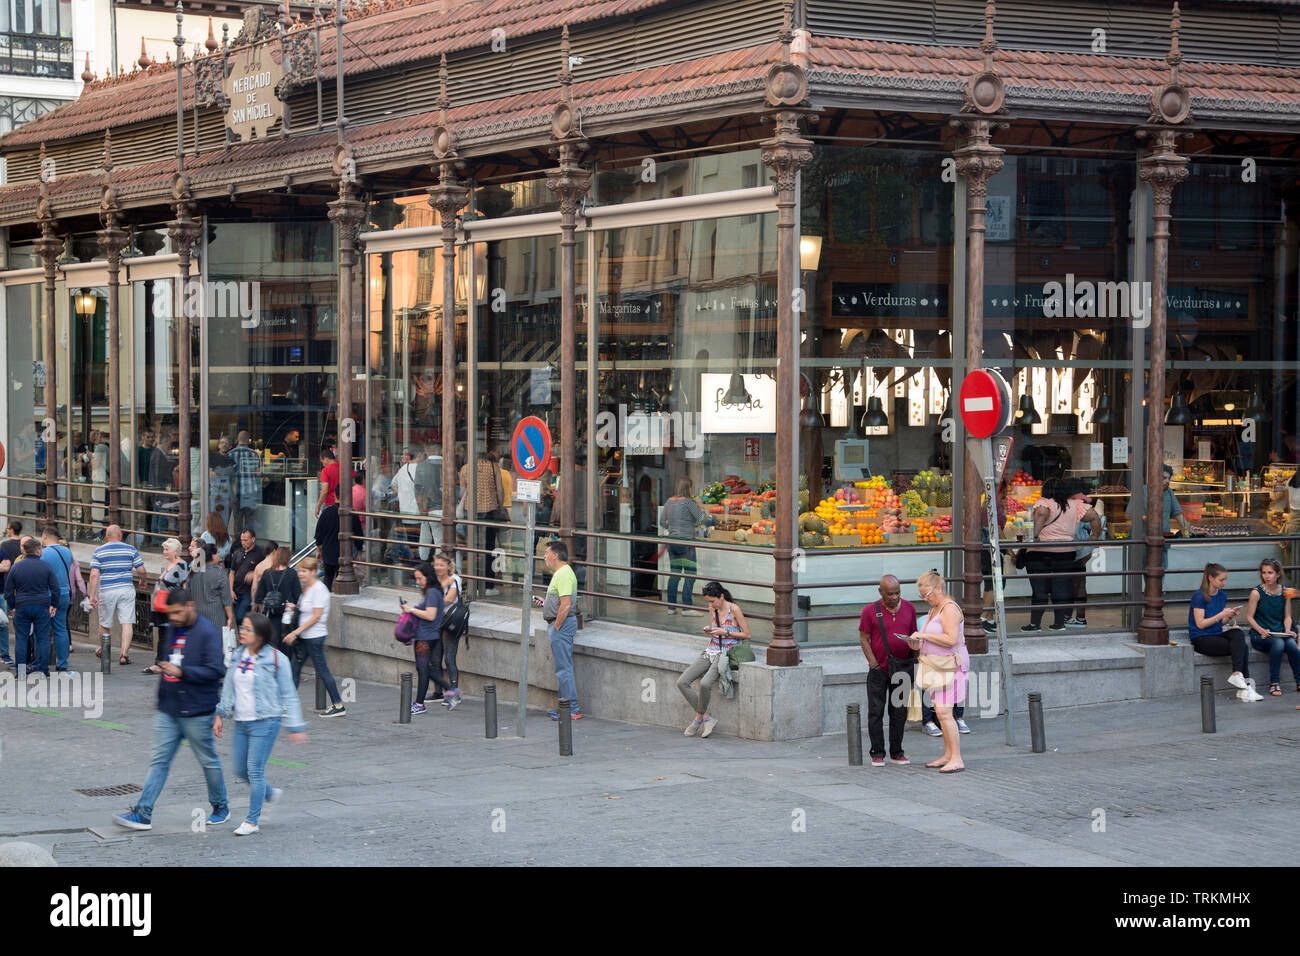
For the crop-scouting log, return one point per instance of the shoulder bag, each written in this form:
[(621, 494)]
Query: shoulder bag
[(937, 671), (1022, 555)]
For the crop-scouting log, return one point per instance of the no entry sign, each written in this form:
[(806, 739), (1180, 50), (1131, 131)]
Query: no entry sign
[(531, 447), (985, 402)]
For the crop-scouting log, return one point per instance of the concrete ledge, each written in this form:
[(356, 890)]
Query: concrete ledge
[(1166, 671)]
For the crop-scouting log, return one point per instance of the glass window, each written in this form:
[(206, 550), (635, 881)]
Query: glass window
[(686, 318), (24, 316), (272, 326)]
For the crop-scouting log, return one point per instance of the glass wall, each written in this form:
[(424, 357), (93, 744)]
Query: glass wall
[(876, 259), (24, 343), (403, 442), (685, 437), (272, 361)]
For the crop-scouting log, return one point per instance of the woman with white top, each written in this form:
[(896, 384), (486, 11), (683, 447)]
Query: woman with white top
[(313, 615), (258, 693), (451, 586)]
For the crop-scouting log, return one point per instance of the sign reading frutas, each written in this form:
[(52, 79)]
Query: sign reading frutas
[(254, 107)]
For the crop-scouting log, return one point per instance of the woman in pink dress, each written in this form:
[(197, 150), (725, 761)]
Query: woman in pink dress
[(942, 633)]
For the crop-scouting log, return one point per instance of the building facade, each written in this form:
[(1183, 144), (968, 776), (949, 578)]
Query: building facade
[(730, 256)]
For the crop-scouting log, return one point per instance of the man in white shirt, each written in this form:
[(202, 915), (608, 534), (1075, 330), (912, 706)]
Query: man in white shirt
[(403, 485)]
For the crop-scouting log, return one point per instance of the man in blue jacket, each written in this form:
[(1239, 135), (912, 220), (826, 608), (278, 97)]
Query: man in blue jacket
[(188, 693), (32, 593)]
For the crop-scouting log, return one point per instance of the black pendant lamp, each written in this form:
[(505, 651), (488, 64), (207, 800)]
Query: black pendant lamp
[(1179, 413), (1026, 414), (736, 392), (875, 416), (1103, 414)]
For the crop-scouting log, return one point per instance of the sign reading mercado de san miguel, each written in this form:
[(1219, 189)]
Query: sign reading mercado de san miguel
[(250, 88)]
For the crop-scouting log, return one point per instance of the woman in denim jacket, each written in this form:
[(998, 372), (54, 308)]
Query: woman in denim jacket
[(258, 691)]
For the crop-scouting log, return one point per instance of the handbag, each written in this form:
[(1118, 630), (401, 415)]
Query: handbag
[(742, 653), (406, 628), (1022, 555), (937, 671)]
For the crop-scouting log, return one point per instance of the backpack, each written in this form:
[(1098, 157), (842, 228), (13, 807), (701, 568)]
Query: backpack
[(455, 619), (273, 603)]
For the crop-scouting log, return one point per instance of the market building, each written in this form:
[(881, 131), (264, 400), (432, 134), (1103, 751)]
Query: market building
[(738, 249)]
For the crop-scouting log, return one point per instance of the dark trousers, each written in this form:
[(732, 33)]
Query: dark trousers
[(1059, 588), (330, 571), (1231, 643), (490, 544), (888, 691), (32, 628), (313, 649), (428, 665), (450, 646)]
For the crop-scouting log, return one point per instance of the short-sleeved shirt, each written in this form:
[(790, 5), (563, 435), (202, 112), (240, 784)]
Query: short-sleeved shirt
[(564, 583), (10, 549), (1059, 527), (902, 621), (430, 630), (1211, 607), (115, 561), (317, 596), (60, 560), (1170, 509), (329, 477)]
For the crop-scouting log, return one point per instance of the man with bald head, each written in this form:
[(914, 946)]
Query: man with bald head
[(113, 568), (883, 630)]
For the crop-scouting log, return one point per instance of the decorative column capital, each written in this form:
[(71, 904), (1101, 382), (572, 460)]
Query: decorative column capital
[(450, 196), (184, 229), (978, 160), (112, 238), (569, 180), (1162, 167), (347, 211)]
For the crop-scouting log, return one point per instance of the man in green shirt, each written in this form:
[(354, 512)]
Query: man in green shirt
[(562, 623)]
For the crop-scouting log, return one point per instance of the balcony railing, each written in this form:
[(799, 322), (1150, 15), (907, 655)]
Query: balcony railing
[(30, 54)]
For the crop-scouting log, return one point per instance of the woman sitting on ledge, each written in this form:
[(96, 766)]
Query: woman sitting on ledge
[(1268, 614), (1209, 609)]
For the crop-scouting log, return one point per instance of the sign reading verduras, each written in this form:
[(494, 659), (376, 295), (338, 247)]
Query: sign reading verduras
[(254, 107)]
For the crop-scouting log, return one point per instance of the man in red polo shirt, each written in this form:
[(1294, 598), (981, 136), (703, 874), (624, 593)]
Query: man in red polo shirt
[(887, 665), (329, 480)]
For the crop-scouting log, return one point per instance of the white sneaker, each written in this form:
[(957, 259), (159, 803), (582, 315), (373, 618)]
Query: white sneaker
[(961, 726), (1249, 696), (931, 728), (691, 612), (1236, 680), (492, 592), (245, 828)]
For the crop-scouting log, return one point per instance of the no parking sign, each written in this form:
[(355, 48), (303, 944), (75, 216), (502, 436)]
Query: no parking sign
[(531, 447)]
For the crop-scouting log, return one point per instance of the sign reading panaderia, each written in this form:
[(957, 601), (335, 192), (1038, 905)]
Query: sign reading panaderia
[(250, 89)]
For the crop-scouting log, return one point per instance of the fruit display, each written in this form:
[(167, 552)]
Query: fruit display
[(893, 524), (885, 500), (808, 521), (902, 484), (1015, 506), (812, 539), (942, 523), (1276, 520), (1021, 478), (915, 505), (927, 533), (869, 534), (871, 484), (735, 485), (849, 496), (713, 493), (762, 527)]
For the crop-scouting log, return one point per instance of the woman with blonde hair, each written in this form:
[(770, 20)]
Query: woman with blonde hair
[(313, 617), (173, 578), (944, 664)]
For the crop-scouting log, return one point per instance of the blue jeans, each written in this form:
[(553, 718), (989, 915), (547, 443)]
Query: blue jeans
[(562, 651), (681, 558), (168, 732), (32, 622), (4, 640), (59, 629), (1273, 647), (243, 604), (249, 751), (313, 648)]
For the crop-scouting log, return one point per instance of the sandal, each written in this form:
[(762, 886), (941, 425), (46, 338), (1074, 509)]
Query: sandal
[(124, 659), (1275, 690)]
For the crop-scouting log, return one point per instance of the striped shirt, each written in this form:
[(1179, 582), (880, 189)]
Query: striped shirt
[(115, 561), (249, 470)]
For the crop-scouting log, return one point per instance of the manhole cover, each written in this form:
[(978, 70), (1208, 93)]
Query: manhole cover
[(120, 790)]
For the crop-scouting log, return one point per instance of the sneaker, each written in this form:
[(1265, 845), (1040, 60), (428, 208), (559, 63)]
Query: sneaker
[(1030, 628), (691, 612), (553, 714), (1076, 622), (1056, 627), (1249, 695), (672, 610), (132, 821), (338, 710), (707, 726), (578, 715), (877, 761), (273, 794), (7, 660), (452, 699), (418, 709), (900, 761), (931, 728), (989, 626), (961, 726), (1237, 681), (492, 592), (692, 728), (245, 828), (219, 816)]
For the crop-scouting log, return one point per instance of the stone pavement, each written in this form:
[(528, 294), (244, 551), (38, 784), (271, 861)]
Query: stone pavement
[(367, 790)]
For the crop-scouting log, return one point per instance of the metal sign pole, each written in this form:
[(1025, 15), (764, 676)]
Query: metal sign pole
[(526, 625), (999, 604)]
